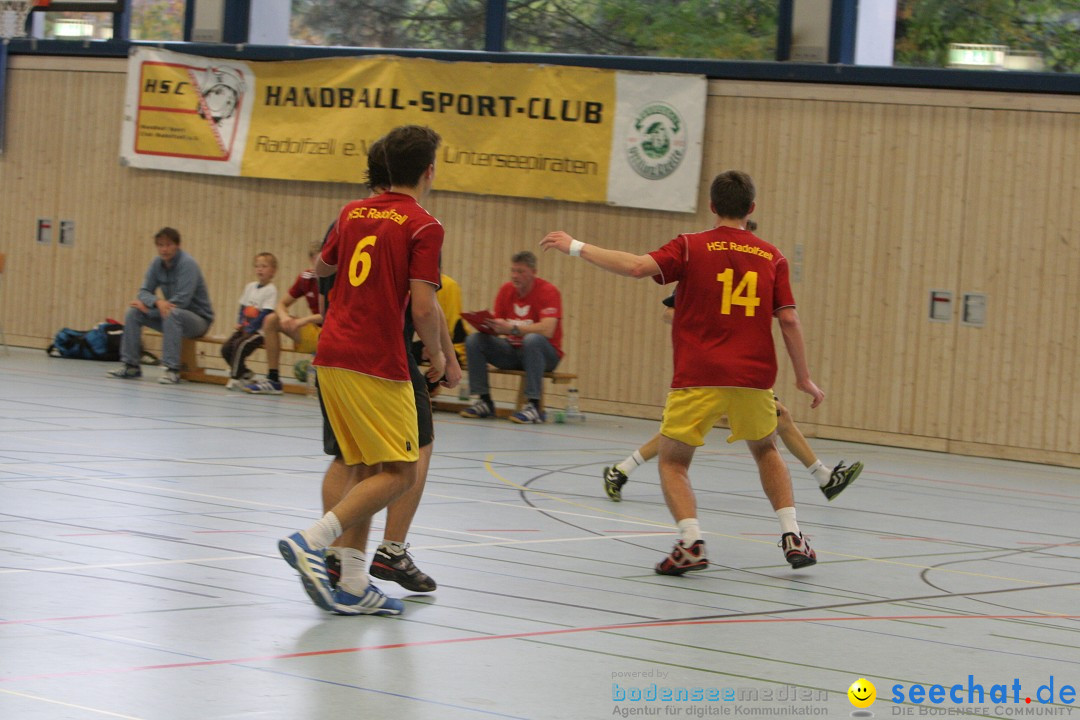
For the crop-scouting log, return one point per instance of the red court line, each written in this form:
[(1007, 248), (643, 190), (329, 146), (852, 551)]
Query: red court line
[(535, 633)]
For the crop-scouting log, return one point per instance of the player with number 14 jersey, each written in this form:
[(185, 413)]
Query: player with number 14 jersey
[(730, 284)]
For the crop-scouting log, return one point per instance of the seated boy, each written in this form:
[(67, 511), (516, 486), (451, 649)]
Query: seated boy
[(303, 331), (256, 303)]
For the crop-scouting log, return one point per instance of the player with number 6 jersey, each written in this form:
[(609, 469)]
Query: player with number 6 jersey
[(384, 250), (380, 243)]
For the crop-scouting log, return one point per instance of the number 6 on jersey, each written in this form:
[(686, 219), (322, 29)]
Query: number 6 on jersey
[(360, 257)]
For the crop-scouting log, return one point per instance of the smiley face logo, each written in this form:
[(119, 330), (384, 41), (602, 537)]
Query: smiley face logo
[(862, 693)]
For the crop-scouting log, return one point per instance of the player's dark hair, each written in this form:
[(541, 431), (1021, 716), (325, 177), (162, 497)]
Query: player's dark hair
[(378, 177), (409, 150), (524, 257), (732, 193), (169, 234)]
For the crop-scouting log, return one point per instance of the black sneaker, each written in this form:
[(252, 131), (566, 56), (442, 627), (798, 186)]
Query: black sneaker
[(840, 478), (797, 550), (126, 372), (333, 567), (614, 479), (402, 570)]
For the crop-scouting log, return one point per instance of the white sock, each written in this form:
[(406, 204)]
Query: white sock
[(631, 463), (787, 520), (323, 532), (820, 473), (689, 531), (354, 572), (393, 547)]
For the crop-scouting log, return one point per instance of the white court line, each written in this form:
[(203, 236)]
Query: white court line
[(610, 516), (243, 501), (141, 563), (536, 542), (70, 705)]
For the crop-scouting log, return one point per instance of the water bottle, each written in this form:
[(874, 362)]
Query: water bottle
[(573, 412), (463, 388)]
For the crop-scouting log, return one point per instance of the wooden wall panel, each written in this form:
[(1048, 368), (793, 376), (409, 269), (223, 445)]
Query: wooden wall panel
[(875, 195), (1022, 250), (868, 253)]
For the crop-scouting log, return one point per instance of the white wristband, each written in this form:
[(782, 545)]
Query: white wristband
[(575, 247)]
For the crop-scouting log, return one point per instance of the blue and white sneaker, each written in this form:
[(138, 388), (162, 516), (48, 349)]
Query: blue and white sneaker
[(529, 415), (263, 387), (311, 566), (373, 602), (312, 590)]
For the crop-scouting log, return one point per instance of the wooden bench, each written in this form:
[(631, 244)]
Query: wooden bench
[(195, 368), (556, 377)]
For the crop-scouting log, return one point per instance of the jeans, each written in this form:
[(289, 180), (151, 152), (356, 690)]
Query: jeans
[(535, 356), (180, 324)]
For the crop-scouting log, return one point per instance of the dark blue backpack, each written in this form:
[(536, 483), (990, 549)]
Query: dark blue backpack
[(102, 342)]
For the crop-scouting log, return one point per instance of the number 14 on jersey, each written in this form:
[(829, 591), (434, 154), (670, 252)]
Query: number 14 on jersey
[(744, 293)]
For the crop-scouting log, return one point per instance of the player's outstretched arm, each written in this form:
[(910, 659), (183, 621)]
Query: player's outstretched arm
[(616, 261), (791, 328)]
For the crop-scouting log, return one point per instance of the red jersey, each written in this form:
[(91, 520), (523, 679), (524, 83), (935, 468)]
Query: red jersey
[(378, 245), (730, 284), (307, 286), (543, 301)]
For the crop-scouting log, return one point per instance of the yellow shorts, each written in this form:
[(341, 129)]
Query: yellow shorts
[(374, 420), (690, 413), (309, 339)]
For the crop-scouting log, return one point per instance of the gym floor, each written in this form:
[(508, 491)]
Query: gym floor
[(139, 574)]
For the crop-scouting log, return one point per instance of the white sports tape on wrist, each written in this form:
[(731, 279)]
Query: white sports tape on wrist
[(575, 247)]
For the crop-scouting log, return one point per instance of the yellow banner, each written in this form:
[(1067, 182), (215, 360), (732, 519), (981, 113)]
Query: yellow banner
[(505, 128), (517, 130)]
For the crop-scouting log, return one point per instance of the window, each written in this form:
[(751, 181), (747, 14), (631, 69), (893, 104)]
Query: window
[(157, 19), (736, 29), (1002, 35)]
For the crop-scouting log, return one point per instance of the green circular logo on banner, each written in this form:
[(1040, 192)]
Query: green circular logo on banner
[(656, 144)]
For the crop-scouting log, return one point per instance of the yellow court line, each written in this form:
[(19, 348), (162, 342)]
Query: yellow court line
[(491, 470), (70, 705)]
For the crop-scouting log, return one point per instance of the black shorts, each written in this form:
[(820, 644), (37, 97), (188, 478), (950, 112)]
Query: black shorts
[(329, 440), (424, 422)]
